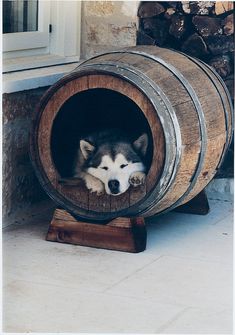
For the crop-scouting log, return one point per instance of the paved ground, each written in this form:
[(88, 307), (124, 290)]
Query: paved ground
[(181, 284)]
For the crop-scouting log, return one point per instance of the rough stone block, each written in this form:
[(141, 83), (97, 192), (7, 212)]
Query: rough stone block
[(157, 29), (122, 35), (169, 12), (97, 33), (20, 185), (228, 24), (144, 39), (222, 65), (150, 9), (99, 8), (178, 26), (207, 26), (198, 7), (220, 44), (195, 46)]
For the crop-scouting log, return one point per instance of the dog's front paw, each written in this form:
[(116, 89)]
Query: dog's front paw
[(94, 185), (98, 189), (137, 178)]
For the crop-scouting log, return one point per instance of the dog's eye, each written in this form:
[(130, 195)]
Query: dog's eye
[(104, 168), (123, 165)]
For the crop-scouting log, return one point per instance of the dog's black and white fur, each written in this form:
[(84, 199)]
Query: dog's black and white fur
[(108, 161)]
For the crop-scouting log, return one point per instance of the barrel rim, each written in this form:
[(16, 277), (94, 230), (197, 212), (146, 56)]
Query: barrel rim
[(35, 152), (83, 65), (160, 188)]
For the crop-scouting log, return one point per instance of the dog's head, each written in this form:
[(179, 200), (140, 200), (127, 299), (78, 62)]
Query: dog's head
[(114, 162)]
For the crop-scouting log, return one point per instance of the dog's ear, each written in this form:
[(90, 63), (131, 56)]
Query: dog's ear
[(86, 148), (141, 144)]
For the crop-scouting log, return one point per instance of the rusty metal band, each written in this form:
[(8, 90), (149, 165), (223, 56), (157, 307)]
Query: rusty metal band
[(203, 65), (164, 110)]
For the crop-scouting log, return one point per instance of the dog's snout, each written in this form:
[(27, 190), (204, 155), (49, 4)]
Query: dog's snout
[(114, 186)]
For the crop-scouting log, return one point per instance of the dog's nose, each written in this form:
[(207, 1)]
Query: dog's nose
[(114, 186)]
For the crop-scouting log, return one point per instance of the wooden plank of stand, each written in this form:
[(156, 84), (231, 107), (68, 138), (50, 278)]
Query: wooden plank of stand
[(122, 234), (198, 205)]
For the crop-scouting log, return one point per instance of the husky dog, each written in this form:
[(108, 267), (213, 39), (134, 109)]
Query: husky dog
[(108, 161)]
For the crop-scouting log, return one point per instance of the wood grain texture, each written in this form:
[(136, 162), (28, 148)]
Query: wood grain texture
[(122, 234), (189, 86), (98, 203), (181, 182), (209, 96), (214, 149)]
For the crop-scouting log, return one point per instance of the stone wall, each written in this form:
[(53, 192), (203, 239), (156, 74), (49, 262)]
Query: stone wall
[(202, 29), (20, 185), (108, 25)]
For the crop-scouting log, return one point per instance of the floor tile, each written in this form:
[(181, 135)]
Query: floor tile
[(200, 321), (178, 234), (37, 260), (31, 307), (218, 211), (178, 280), (182, 282)]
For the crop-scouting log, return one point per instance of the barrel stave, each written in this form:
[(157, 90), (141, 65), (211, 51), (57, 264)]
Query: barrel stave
[(202, 111), (214, 149), (182, 181)]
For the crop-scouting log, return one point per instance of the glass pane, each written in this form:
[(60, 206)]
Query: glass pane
[(20, 15)]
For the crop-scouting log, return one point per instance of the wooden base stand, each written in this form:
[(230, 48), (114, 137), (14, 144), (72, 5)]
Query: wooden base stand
[(122, 234), (198, 205)]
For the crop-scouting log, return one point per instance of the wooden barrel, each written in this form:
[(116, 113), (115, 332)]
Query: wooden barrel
[(179, 101)]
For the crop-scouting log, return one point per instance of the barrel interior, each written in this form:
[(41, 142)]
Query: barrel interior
[(101, 108), (94, 110), (87, 103)]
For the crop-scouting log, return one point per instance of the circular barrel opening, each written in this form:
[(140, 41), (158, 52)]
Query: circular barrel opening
[(94, 110), (80, 106)]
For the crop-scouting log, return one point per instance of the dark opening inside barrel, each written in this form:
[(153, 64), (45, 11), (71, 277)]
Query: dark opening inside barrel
[(180, 102), (91, 110)]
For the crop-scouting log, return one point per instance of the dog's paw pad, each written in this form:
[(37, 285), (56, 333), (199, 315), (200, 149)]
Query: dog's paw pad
[(137, 179)]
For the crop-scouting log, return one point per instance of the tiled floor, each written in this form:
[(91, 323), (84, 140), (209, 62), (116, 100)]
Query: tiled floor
[(181, 284)]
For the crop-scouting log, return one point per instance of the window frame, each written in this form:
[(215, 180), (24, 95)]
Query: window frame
[(44, 48), (31, 39)]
